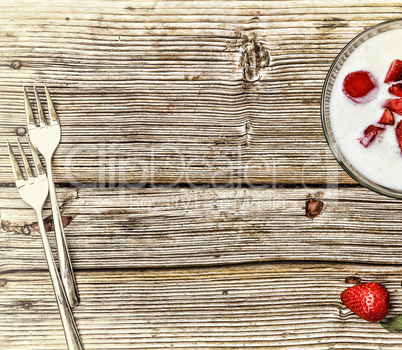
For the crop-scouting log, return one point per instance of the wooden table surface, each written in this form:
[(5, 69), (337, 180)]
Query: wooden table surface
[(191, 146)]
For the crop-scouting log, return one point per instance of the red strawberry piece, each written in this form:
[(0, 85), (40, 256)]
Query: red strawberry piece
[(394, 104), (370, 301), (358, 84), (387, 118), (370, 135), (396, 89), (394, 72), (398, 133)]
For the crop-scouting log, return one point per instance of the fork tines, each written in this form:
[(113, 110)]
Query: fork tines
[(30, 115), (30, 177)]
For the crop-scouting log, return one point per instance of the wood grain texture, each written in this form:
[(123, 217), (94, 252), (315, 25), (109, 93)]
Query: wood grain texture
[(275, 306), (162, 227), (169, 92), (185, 93)]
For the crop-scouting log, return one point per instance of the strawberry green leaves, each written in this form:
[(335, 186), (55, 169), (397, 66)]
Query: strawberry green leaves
[(393, 324)]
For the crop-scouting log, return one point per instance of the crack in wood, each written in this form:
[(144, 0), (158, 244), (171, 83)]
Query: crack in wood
[(247, 132)]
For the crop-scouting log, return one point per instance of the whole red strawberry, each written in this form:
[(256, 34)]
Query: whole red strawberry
[(370, 301)]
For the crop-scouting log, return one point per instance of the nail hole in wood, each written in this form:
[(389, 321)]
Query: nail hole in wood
[(353, 280), (21, 131), (15, 64)]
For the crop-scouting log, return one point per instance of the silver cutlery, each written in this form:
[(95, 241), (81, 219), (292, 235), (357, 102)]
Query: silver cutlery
[(34, 191), (45, 137)]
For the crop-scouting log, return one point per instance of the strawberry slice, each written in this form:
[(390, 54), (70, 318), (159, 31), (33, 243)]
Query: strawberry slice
[(396, 89), (370, 135), (398, 133), (394, 72), (358, 84), (387, 118), (394, 104)]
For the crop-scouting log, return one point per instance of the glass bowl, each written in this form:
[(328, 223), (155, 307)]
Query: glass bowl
[(325, 105)]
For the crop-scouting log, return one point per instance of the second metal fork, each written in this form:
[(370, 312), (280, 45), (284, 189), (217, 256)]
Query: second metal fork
[(34, 191), (45, 138)]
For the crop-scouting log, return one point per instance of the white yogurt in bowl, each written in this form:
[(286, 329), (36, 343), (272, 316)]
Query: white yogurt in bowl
[(379, 165)]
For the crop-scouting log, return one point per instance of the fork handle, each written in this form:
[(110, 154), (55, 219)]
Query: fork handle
[(67, 319), (66, 269)]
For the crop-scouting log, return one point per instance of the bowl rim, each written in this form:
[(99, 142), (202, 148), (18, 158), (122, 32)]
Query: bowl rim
[(362, 180)]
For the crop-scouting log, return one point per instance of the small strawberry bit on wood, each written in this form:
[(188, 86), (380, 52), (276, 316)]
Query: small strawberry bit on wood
[(394, 72), (394, 104), (398, 133), (370, 135), (358, 85), (387, 118), (369, 301), (396, 89)]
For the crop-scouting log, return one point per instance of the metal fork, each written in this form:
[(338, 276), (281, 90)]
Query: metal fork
[(45, 138), (34, 191)]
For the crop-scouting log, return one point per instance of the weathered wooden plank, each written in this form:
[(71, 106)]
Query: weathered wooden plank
[(269, 306), (160, 227), (167, 92)]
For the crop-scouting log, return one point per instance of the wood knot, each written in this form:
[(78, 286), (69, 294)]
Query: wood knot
[(3, 282), (49, 224), (254, 57), (15, 64), (314, 207), (19, 229), (26, 229), (24, 304)]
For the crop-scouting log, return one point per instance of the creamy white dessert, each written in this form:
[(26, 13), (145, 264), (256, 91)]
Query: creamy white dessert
[(381, 160)]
